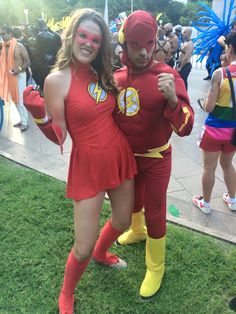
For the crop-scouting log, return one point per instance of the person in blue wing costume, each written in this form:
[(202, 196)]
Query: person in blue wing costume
[(211, 27)]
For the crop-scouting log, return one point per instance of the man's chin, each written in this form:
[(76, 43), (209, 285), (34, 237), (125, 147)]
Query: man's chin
[(141, 65)]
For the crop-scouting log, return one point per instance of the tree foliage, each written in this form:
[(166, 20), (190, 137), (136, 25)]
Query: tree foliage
[(12, 11)]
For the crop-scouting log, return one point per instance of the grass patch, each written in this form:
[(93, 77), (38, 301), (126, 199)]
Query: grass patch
[(36, 224)]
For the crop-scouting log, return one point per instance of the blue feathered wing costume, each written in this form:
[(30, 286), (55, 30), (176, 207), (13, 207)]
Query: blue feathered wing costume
[(210, 27)]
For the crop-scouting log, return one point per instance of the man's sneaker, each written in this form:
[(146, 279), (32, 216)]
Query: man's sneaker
[(111, 260), (199, 202), (227, 200)]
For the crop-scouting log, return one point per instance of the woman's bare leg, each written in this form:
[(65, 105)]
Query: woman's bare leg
[(122, 200), (226, 162), (86, 222), (208, 178)]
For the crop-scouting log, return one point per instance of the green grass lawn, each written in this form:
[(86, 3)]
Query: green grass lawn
[(36, 235)]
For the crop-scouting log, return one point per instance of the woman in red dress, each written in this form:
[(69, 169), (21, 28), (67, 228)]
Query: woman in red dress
[(80, 97)]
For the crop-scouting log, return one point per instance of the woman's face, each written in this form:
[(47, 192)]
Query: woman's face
[(87, 42)]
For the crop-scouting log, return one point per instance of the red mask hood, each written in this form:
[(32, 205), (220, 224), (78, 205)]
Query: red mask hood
[(139, 30)]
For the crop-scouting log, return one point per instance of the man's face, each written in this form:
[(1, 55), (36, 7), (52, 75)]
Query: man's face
[(185, 34), (167, 30), (140, 57), (5, 36)]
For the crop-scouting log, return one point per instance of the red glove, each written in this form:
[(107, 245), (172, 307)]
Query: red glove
[(35, 104)]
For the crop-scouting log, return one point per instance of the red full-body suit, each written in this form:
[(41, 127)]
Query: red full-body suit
[(152, 103), (148, 122)]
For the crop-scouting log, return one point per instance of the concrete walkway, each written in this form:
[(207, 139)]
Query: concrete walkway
[(33, 150)]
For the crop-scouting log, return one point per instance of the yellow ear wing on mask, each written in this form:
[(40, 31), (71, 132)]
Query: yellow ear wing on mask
[(158, 16), (121, 35)]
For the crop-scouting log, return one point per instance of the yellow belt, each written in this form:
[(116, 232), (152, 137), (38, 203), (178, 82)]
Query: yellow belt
[(154, 152)]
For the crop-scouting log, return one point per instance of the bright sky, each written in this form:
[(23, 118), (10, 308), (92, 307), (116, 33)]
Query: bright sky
[(183, 1)]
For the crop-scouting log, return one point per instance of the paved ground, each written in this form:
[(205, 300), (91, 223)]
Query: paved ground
[(33, 150)]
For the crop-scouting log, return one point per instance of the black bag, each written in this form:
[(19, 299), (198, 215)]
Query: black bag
[(233, 141), (234, 138)]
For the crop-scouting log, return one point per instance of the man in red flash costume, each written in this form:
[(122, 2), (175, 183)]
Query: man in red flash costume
[(151, 104)]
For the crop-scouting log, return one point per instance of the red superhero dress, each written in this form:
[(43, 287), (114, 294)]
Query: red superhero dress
[(101, 157), (145, 118)]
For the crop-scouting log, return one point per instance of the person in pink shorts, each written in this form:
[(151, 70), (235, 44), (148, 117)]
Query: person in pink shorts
[(215, 140)]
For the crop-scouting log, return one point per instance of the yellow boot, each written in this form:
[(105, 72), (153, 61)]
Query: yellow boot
[(137, 231), (155, 261)]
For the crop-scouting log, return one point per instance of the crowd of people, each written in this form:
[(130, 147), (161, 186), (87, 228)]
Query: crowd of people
[(98, 91), (26, 56), (39, 46)]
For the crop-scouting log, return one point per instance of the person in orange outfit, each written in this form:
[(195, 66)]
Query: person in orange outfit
[(14, 61), (80, 97), (151, 104)]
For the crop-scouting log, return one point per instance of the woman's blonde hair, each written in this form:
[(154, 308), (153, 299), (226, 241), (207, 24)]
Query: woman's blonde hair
[(102, 63)]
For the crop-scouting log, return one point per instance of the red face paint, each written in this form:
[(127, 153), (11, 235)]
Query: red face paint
[(83, 37)]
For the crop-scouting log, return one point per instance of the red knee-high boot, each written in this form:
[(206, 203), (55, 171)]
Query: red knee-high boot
[(73, 272), (100, 254)]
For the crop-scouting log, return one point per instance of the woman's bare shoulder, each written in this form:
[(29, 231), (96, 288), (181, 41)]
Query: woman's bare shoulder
[(59, 80), (58, 76)]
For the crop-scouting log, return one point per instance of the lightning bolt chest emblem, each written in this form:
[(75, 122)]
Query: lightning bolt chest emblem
[(128, 101), (96, 92)]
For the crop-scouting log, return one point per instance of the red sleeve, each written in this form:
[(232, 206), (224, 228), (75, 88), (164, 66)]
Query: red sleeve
[(182, 117)]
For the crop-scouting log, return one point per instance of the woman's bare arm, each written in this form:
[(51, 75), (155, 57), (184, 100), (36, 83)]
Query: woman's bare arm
[(56, 88), (213, 93)]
